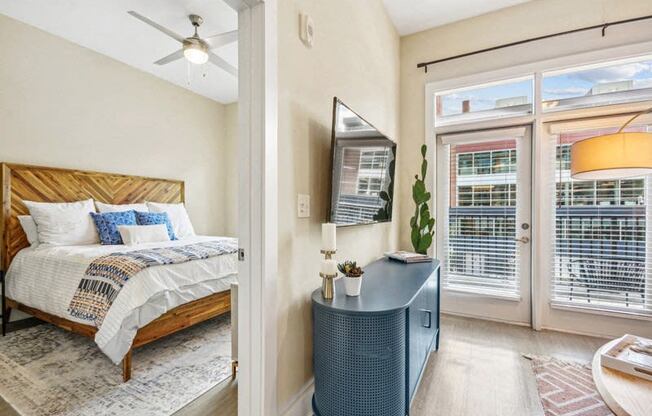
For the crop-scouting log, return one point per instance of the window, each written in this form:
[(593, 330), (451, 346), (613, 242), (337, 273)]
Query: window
[(369, 186), (487, 162), (610, 83), (503, 99), (601, 245), (374, 159)]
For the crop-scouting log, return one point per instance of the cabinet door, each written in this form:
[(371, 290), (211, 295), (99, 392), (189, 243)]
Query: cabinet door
[(431, 311), (423, 321)]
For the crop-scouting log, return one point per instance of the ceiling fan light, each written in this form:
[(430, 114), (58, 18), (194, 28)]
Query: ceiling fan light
[(195, 54)]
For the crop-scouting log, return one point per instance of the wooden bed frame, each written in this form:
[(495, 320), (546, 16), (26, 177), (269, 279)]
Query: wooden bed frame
[(43, 184)]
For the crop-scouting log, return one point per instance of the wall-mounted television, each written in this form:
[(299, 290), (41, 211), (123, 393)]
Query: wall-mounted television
[(363, 161)]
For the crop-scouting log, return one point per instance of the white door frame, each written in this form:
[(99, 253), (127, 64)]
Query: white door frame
[(257, 205)]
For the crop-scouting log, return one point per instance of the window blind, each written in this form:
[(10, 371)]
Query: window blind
[(481, 254), (603, 229)]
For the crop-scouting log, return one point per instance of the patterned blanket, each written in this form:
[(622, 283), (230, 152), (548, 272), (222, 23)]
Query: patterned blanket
[(106, 275)]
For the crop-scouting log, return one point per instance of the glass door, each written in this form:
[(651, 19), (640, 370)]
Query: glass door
[(485, 238)]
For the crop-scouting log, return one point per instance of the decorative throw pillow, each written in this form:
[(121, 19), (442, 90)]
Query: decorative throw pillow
[(178, 217), (140, 234), (102, 207), (107, 225), (153, 218), (64, 223)]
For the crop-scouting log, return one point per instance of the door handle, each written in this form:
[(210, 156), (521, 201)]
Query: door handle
[(429, 315), (523, 240)]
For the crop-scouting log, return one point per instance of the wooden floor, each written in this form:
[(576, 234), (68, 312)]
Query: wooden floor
[(478, 370), (221, 400)]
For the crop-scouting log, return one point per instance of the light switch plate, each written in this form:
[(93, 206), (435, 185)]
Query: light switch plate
[(303, 206)]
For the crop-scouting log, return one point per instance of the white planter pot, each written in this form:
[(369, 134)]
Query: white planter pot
[(352, 285)]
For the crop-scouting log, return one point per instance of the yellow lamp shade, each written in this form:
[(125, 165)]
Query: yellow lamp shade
[(612, 156)]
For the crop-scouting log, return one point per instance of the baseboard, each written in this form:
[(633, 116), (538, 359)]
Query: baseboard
[(301, 403), (484, 318), (575, 332)]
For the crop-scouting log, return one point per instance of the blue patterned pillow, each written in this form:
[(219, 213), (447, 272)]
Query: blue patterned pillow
[(153, 218), (107, 225)]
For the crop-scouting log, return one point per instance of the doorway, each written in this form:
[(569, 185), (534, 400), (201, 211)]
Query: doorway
[(485, 179)]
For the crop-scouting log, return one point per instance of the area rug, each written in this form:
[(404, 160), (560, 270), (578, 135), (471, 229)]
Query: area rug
[(566, 388), (45, 371)]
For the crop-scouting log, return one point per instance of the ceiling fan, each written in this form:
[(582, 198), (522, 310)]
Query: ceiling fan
[(195, 49)]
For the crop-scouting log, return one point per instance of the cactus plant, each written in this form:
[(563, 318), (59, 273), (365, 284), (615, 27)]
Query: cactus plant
[(350, 268), (422, 224)]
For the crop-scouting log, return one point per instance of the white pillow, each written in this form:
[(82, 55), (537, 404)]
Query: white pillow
[(102, 207), (29, 227), (139, 234), (64, 224), (178, 217)]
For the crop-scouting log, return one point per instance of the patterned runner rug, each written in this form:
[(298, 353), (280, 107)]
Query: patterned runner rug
[(45, 371), (567, 388)]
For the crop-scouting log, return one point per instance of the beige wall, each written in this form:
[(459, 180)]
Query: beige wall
[(528, 20), (66, 106), (355, 57)]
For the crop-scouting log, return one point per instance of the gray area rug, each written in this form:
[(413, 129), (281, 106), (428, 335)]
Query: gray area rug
[(46, 371)]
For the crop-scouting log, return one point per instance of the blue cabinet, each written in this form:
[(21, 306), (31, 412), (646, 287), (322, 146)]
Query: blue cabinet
[(369, 351)]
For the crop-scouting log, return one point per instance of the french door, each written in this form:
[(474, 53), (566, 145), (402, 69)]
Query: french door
[(485, 180)]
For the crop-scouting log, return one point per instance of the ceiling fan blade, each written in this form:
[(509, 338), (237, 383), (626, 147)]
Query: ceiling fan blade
[(216, 60), (170, 58), (222, 39), (152, 23)]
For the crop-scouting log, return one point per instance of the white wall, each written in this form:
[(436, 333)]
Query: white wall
[(355, 57), (66, 106)]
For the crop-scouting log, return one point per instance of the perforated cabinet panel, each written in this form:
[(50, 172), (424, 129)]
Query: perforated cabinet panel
[(359, 363)]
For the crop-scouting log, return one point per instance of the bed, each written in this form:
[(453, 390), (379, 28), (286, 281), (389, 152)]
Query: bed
[(42, 280)]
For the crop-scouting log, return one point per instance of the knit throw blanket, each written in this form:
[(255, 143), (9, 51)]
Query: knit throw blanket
[(106, 275)]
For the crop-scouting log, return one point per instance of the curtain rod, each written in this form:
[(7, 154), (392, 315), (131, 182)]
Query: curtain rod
[(602, 26)]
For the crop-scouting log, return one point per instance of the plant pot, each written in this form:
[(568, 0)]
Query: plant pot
[(352, 285)]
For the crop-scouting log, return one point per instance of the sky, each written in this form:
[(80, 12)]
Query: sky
[(574, 84)]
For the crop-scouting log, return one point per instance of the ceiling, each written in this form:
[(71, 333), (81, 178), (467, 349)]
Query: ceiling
[(425, 14), (105, 27)]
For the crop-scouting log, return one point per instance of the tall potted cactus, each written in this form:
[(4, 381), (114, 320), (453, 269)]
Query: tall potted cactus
[(422, 224)]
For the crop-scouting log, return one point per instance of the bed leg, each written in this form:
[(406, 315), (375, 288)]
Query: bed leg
[(6, 316), (234, 369), (126, 367)]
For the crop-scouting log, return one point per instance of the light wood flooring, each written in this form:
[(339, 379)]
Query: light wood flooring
[(478, 370)]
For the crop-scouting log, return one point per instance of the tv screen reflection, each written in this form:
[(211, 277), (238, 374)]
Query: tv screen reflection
[(363, 170)]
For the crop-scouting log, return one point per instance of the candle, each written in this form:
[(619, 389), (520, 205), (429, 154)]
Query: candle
[(328, 237), (329, 267)]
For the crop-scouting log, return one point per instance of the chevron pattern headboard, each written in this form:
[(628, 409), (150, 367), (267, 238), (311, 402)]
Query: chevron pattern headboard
[(44, 184)]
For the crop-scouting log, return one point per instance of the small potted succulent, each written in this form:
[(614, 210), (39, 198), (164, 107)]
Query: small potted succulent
[(352, 277)]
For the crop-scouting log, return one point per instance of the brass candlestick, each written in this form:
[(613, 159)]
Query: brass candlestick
[(327, 286)]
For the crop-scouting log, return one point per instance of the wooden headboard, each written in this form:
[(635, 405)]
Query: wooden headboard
[(43, 184)]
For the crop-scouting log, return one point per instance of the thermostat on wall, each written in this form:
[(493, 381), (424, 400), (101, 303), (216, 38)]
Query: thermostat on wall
[(306, 29)]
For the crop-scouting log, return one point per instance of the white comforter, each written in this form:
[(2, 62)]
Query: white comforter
[(46, 278)]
